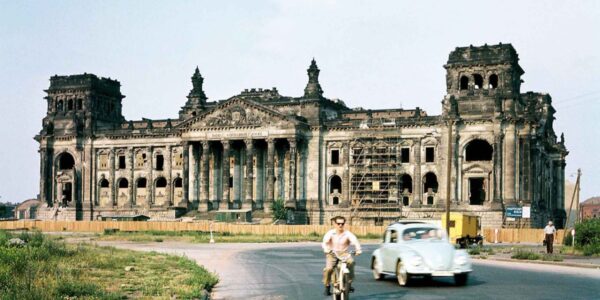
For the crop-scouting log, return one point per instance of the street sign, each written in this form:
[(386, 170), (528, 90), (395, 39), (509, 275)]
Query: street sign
[(526, 212), (514, 212)]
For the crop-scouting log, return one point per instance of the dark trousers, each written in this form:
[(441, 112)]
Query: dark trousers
[(549, 242)]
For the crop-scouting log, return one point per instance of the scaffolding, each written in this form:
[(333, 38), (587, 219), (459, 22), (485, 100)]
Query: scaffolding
[(375, 180)]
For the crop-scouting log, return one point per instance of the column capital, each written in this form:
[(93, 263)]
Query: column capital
[(249, 143), (226, 144), (205, 145), (270, 140), (293, 142)]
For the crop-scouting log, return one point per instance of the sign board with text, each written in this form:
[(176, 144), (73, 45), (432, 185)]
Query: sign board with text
[(514, 212)]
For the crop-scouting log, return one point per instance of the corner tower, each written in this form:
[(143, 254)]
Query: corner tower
[(196, 102), (482, 80)]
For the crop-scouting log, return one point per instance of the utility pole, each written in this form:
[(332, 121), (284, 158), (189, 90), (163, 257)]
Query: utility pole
[(575, 192), (448, 177)]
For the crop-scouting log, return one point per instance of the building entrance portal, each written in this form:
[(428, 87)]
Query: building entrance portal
[(477, 193)]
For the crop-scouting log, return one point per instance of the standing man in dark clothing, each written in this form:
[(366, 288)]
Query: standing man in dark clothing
[(549, 235)]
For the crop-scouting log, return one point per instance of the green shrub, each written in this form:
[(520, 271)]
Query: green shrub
[(279, 210), (587, 232), (568, 239), (523, 254), (475, 251), (591, 249)]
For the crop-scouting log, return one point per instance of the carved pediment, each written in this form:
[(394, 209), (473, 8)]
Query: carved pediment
[(239, 112)]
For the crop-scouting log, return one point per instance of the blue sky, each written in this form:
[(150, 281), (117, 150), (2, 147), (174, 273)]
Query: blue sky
[(373, 54)]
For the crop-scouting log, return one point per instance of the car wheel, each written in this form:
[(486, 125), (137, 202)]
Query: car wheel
[(376, 271), (401, 274), (461, 279)]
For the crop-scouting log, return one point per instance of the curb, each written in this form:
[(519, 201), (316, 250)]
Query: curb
[(541, 262)]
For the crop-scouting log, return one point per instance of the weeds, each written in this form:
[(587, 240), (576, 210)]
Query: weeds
[(524, 254)]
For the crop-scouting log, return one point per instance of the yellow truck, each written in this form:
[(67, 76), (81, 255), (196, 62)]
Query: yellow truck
[(464, 229)]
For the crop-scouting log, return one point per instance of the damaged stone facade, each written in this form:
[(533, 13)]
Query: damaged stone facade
[(319, 156)]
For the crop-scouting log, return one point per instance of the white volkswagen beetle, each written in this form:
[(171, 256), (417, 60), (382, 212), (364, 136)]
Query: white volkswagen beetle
[(419, 249)]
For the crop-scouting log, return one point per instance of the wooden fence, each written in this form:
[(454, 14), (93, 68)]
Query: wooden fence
[(503, 235)]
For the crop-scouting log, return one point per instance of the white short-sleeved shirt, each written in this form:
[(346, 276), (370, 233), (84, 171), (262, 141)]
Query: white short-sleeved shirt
[(339, 241), (549, 229)]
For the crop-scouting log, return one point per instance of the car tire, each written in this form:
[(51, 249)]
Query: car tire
[(401, 274), (376, 273), (461, 279)]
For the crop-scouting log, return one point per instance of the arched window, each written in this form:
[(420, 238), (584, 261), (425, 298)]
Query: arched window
[(430, 182), (103, 183), (478, 81), (335, 184), (123, 183), (66, 162), (178, 182), (161, 182), (464, 83), (79, 104), (478, 150), (406, 184), (141, 183), (493, 81), (70, 105), (59, 106)]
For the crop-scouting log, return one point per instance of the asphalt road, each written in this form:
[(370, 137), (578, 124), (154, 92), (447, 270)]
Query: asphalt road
[(293, 271)]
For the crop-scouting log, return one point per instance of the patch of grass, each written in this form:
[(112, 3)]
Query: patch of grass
[(45, 268), (526, 255), (552, 257)]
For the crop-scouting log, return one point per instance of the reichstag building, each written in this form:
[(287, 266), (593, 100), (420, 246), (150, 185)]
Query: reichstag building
[(316, 155)]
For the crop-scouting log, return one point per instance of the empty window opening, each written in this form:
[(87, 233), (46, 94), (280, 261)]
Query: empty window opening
[(406, 184), (178, 182), (160, 161), (141, 183), (336, 200), (123, 183), (477, 193), (405, 201), (79, 104), (121, 161), (493, 81), (59, 105), (103, 183), (429, 154), (161, 182), (405, 155), (335, 157), (67, 192), (336, 184), (464, 82), (430, 183), (70, 105), (429, 200), (479, 150), (478, 81), (66, 162), (230, 181)]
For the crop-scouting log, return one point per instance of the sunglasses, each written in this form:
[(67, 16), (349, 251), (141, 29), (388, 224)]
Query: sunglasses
[(341, 224)]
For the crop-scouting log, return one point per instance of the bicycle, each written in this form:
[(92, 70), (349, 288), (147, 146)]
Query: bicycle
[(339, 277)]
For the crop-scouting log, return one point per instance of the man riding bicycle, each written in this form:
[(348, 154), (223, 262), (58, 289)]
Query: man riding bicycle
[(338, 240)]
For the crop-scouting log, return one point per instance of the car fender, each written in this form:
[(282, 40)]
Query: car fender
[(376, 254)]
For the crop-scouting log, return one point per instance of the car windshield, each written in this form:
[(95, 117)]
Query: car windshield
[(422, 233)]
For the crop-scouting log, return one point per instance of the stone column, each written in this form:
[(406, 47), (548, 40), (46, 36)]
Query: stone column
[(113, 188), (270, 174), (418, 181), (346, 175), (203, 206), (509, 164), (196, 171), (249, 184), (43, 176), (498, 168), (149, 177), (168, 164), (291, 203), (130, 166), (226, 169), (186, 174)]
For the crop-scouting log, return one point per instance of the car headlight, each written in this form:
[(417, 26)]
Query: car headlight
[(460, 260)]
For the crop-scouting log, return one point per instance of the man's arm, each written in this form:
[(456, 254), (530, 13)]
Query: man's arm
[(354, 241), (326, 240)]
